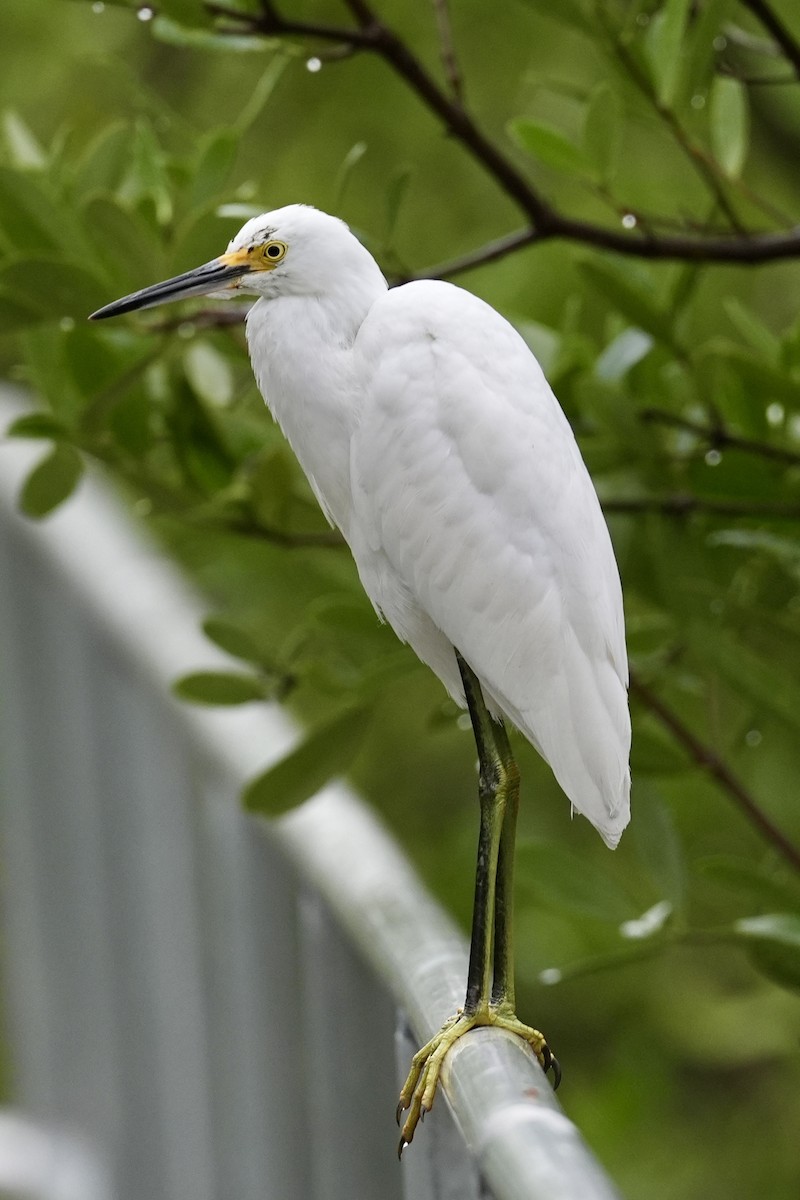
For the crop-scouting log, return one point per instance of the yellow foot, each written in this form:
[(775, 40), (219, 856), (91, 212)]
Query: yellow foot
[(420, 1087)]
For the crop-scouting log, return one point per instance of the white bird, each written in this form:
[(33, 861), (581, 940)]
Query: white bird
[(434, 442)]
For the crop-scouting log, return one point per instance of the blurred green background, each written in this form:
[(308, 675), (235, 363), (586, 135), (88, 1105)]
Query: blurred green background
[(135, 143)]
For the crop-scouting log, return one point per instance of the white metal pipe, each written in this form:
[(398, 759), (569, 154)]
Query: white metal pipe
[(522, 1143)]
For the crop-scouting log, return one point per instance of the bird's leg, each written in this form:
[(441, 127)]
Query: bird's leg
[(503, 1006), (490, 978), (498, 792), (503, 950)]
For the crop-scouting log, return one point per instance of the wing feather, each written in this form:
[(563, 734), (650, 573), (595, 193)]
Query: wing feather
[(475, 523)]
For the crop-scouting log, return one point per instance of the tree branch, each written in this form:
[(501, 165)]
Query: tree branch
[(720, 438), (491, 252), (447, 51), (456, 119), (684, 505), (204, 318), (272, 24), (371, 33), (709, 761), (325, 539), (762, 11), (744, 248)]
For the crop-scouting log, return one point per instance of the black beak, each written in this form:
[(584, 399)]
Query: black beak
[(199, 282)]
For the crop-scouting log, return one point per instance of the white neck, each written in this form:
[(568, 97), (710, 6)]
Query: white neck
[(301, 351)]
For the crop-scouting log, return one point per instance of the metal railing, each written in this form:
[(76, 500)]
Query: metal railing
[(212, 1002)]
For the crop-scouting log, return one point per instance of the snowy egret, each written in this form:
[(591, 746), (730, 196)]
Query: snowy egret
[(433, 441)]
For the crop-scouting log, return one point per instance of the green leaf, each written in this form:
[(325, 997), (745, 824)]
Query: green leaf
[(209, 373), (624, 352), (29, 220), (556, 877), (654, 752), (126, 246), (541, 339), (52, 481), (201, 237), (396, 191), (349, 162), (649, 924), (699, 52), (663, 48), (658, 846), (231, 639), (602, 131), (37, 425), (261, 93), (24, 150), (632, 952), (550, 146), (214, 164), (46, 372), (105, 160), (730, 124), (14, 316), (774, 946), (757, 882), (270, 479), (753, 329), (147, 177), (761, 379), (781, 550), (190, 11), (763, 680), (54, 289), (325, 754), (219, 688), (198, 441), (630, 290), (175, 33), (131, 422), (576, 13)]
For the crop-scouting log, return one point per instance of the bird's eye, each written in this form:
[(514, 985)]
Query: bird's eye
[(274, 251)]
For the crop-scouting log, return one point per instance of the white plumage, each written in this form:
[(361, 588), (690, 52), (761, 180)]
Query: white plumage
[(434, 442)]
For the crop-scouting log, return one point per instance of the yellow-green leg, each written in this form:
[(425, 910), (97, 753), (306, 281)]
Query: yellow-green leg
[(490, 977)]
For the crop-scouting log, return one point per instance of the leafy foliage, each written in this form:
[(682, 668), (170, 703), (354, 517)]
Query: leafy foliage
[(681, 379)]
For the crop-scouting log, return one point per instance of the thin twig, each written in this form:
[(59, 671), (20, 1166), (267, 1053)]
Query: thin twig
[(271, 23), (204, 318), (705, 167), (447, 50), (720, 438), (491, 252), (708, 760), (762, 11), (325, 539), (724, 68), (682, 504)]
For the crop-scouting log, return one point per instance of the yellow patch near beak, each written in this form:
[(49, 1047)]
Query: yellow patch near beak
[(241, 258), (263, 257)]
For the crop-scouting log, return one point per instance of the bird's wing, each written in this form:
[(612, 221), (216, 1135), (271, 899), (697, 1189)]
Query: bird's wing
[(468, 483)]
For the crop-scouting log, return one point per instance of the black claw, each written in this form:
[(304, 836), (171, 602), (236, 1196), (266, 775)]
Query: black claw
[(556, 1065), (399, 1112), (547, 1058), (401, 1147)]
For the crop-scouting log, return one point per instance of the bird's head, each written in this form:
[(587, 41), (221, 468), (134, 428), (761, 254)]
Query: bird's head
[(296, 250)]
